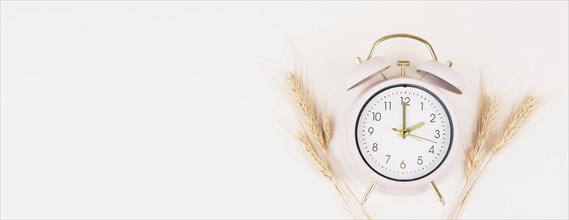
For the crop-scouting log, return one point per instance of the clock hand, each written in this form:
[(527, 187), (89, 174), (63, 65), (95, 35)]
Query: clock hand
[(415, 127), (412, 135), (415, 136), (404, 118), (401, 135)]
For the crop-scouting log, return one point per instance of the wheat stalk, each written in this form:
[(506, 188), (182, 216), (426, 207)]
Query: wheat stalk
[(486, 120), (516, 121), (317, 131)]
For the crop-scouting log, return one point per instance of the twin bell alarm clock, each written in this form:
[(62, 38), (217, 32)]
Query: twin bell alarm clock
[(402, 132)]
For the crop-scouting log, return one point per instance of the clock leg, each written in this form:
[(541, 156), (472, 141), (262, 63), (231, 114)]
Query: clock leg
[(368, 192), (438, 193)]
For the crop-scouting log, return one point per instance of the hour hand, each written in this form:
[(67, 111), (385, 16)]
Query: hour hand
[(415, 127)]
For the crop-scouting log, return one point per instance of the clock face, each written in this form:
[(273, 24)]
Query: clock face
[(404, 132)]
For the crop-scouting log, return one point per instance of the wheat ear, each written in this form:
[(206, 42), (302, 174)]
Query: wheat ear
[(486, 121), (516, 121), (307, 109), (327, 130), (320, 163)]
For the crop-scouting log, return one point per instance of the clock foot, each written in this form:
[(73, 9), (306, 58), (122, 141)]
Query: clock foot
[(438, 193), (368, 192)]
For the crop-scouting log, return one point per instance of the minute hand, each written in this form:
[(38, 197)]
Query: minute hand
[(404, 115), (422, 138)]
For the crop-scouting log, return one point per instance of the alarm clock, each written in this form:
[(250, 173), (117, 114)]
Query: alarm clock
[(402, 132)]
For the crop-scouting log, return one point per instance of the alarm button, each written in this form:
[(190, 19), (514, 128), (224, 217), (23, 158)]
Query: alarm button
[(365, 71), (441, 75)]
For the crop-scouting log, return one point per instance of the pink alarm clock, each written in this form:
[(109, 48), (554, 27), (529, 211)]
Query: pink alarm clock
[(402, 133)]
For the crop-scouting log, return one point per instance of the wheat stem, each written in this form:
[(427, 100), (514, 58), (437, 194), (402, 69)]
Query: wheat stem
[(354, 198), (346, 202), (470, 187), (456, 203)]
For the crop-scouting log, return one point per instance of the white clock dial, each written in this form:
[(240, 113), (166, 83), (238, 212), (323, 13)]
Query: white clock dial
[(404, 132)]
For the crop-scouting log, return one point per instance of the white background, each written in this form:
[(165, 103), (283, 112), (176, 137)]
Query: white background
[(176, 109)]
